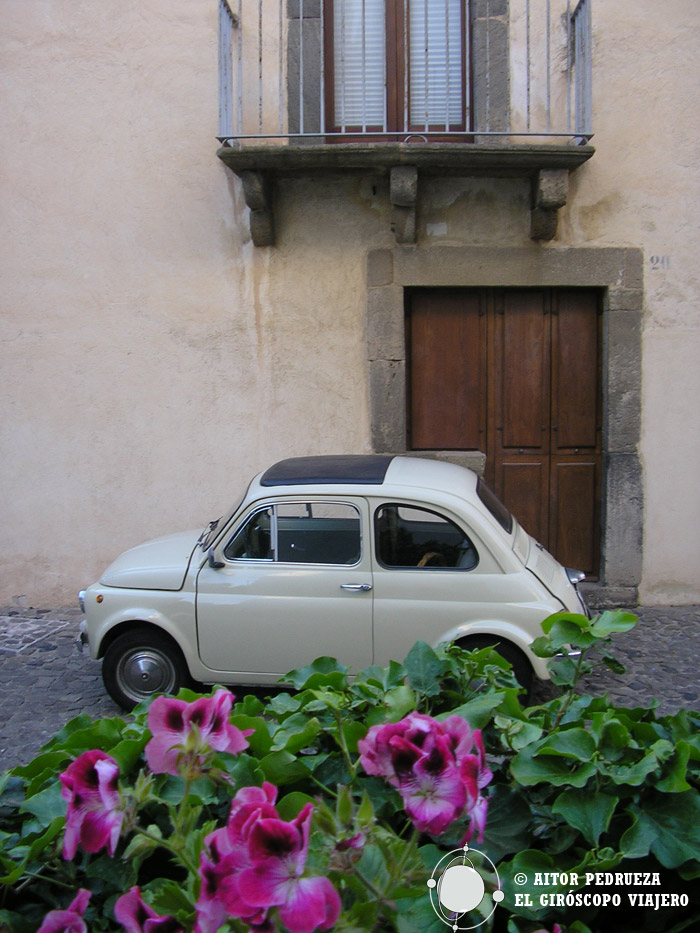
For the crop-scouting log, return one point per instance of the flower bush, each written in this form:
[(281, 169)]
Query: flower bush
[(329, 805)]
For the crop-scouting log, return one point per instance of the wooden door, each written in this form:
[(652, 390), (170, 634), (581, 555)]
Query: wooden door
[(514, 373)]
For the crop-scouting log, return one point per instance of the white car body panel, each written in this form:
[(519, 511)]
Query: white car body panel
[(160, 564)]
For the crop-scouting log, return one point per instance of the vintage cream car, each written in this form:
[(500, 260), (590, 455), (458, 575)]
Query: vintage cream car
[(356, 557)]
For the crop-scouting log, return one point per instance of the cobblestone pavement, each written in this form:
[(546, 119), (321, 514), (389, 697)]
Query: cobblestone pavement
[(45, 681)]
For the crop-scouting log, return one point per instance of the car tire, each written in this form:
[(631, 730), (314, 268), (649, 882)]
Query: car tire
[(140, 663), (522, 669)]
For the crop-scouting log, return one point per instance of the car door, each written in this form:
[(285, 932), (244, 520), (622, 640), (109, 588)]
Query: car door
[(291, 582), (431, 575)]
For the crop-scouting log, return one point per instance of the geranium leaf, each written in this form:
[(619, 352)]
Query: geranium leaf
[(611, 622), (569, 743), (323, 672), (506, 823), (47, 805), (424, 669), (478, 711), (283, 768), (669, 825), (588, 811), (551, 769), (297, 732)]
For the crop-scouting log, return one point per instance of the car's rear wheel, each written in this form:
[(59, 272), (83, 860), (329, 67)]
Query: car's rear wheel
[(142, 662), (522, 669)]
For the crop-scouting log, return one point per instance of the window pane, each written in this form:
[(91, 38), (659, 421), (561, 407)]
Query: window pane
[(359, 57), (435, 80), (318, 533), (413, 537), (254, 540)]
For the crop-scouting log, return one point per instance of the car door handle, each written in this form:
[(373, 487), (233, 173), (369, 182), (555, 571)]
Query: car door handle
[(356, 587)]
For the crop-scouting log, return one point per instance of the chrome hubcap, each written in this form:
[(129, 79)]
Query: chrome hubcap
[(144, 672)]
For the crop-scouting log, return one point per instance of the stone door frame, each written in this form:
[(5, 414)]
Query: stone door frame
[(618, 273)]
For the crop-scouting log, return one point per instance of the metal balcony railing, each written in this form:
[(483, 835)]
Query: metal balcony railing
[(317, 70)]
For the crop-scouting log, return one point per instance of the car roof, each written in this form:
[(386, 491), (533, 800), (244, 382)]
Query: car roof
[(371, 470), (358, 469)]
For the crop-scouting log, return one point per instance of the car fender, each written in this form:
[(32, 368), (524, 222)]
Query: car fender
[(178, 625), (505, 630)]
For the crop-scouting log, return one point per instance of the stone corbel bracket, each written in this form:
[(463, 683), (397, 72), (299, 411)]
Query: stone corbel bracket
[(256, 191), (550, 189), (403, 197)]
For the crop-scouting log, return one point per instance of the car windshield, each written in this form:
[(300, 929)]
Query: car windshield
[(209, 532)]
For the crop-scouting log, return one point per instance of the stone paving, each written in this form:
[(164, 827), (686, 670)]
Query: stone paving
[(45, 681)]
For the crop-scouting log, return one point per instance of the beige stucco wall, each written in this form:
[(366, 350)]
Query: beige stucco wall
[(153, 359)]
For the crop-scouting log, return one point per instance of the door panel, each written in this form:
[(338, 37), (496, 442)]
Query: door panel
[(447, 362), (521, 335), (573, 532), (574, 371), (525, 482), (268, 616)]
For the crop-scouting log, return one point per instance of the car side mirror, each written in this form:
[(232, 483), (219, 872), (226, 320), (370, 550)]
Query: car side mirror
[(213, 562)]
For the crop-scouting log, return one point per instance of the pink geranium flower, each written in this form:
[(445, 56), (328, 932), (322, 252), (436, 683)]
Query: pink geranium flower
[(379, 753), (186, 733), (257, 863), (433, 793), (226, 855), (136, 916), (438, 768), (93, 818), (278, 852), (70, 920)]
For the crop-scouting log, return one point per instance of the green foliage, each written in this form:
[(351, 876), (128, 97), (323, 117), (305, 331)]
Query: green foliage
[(579, 786)]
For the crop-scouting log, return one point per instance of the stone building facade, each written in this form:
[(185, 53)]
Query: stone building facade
[(174, 321)]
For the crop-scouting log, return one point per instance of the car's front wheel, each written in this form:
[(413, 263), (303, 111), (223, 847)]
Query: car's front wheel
[(522, 669), (142, 662)]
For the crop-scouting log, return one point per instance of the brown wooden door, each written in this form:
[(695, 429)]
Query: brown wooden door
[(515, 373)]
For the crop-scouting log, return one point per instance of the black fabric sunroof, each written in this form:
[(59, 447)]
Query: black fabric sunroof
[(352, 468)]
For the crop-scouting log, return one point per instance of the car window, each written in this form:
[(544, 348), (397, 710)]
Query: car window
[(254, 540), (300, 532), (495, 506), (407, 536)]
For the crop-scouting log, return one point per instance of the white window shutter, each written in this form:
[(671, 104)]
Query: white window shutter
[(435, 64), (359, 41)]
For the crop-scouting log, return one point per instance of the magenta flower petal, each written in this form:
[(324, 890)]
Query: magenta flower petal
[(93, 820), (477, 821), (313, 903), (274, 839), (459, 734), (136, 916), (268, 884), (485, 775), (70, 920), (101, 828), (434, 801), (219, 732), (166, 720)]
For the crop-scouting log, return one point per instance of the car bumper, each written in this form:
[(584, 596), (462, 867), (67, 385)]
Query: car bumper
[(82, 640)]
